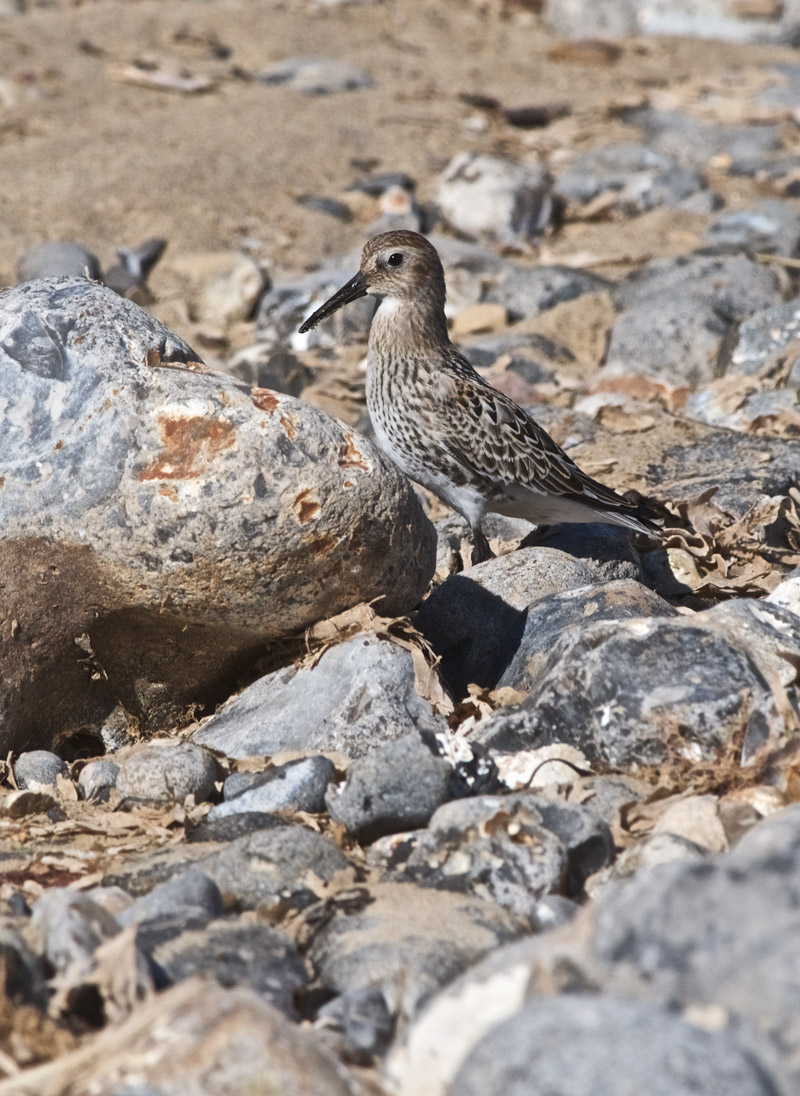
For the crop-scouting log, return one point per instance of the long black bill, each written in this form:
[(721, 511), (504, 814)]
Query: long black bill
[(355, 288)]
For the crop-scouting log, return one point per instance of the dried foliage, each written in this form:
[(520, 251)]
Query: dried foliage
[(729, 557)]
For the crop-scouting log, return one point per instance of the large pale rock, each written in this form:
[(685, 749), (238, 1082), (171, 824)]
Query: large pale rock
[(160, 525), (498, 199)]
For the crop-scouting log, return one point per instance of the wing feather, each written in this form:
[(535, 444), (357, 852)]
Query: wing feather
[(501, 443)]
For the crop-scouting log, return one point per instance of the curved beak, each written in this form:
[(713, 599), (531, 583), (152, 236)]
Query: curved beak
[(355, 288)]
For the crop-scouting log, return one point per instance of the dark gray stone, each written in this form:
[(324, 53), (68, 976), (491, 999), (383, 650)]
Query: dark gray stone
[(733, 286), (641, 179), (475, 621), (359, 695), (363, 1017), (693, 142), (272, 867), (408, 941), (69, 927), (493, 847), (678, 342), (183, 521), (58, 260), (533, 357), (769, 632), (625, 1048), (22, 979), (298, 786), (39, 767), (739, 468), (164, 771), (586, 838), (190, 894), (235, 825), (640, 692), (97, 778), (397, 787), (278, 369), (772, 227), (550, 617), (237, 952), (607, 550), (527, 292), (677, 314)]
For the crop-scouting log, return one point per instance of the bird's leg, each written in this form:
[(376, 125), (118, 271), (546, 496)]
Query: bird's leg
[(480, 546)]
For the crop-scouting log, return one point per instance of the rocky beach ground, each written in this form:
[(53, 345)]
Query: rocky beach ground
[(294, 799)]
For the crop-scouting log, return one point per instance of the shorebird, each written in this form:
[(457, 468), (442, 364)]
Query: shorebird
[(441, 423)]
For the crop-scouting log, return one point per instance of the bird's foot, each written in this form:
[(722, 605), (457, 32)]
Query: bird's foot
[(480, 547)]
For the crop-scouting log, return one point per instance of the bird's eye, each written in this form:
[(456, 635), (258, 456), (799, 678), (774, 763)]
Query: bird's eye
[(395, 259)]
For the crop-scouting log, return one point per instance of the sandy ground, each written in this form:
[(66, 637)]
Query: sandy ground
[(84, 156)]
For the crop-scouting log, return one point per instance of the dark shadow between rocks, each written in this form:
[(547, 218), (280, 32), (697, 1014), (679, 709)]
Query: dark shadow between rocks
[(474, 632)]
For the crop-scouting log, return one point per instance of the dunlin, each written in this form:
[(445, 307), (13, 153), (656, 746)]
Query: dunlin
[(439, 420)]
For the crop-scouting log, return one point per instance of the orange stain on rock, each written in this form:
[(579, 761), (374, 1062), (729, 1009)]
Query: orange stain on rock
[(288, 426), (350, 456), (265, 400), (307, 509), (187, 441)]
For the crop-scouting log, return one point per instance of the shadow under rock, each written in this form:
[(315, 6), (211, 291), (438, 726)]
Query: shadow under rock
[(474, 632)]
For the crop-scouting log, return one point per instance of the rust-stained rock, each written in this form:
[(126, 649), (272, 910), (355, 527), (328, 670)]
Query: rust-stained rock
[(161, 523)]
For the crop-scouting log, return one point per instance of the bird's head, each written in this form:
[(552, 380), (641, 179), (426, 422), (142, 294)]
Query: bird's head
[(401, 266)]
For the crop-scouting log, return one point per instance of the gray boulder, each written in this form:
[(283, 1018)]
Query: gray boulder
[(160, 525), (678, 312), (166, 771), (720, 933), (359, 695), (625, 1048), (408, 941), (272, 868), (549, 618), (36, 768), (396, 787), (486, 197), (493, 847), (475, 621), (607, 550), (297, 785), (642, 692)]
